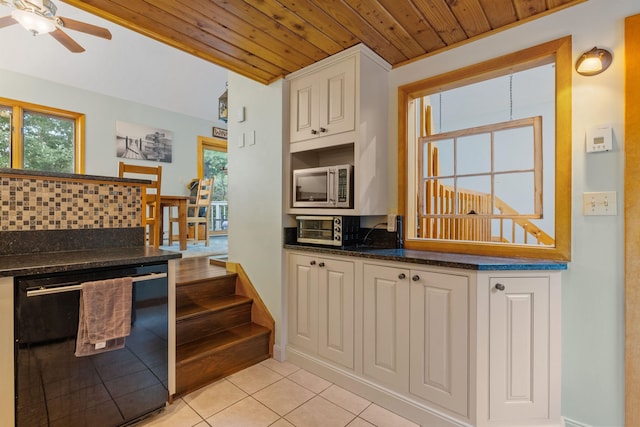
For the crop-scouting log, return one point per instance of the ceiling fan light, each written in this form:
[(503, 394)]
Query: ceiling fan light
[(33, 22)]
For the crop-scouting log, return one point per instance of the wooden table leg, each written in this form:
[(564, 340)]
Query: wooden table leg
[(182, 224)]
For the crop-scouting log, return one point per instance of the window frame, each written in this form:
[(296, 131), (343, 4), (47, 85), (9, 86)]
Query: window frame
[(17, 143), (558, 51)]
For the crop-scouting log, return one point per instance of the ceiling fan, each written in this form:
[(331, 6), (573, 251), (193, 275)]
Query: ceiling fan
[(39, 17)]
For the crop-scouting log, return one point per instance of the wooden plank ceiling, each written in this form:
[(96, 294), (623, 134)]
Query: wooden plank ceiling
[(268, 39)]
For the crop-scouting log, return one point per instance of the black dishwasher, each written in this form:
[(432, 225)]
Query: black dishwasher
[(53, 387)]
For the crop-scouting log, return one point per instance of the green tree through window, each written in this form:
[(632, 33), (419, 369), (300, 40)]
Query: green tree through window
[(40, 138), (48, 143)]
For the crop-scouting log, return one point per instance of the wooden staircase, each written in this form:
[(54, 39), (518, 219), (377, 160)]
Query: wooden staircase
[(222, 325)]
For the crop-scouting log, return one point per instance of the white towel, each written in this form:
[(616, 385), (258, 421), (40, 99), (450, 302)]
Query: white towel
[(105, 316)]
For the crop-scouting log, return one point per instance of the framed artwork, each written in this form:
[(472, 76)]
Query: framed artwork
[(134, 141)]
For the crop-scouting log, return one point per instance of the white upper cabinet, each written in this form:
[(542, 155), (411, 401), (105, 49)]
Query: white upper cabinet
[(323, 103)]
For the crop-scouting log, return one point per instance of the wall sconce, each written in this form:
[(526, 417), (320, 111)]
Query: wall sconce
[(223, 111), (593, 62)]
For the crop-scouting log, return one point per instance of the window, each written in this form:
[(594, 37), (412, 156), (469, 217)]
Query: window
[(485, 167), (212, 163), (40, 138)]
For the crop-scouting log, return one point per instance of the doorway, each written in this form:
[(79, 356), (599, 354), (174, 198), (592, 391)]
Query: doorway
[(212, 163)]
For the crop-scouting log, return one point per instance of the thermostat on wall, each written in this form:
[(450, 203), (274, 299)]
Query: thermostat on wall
[(599, 138)]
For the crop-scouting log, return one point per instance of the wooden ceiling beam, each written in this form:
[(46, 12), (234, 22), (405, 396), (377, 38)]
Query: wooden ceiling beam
[(527, 8), (471, 17), (379, 17), (267, 39), (297, 25), (439, 15), (340, 11), (406, 13), (316, 16), (499, 12), (238, 35), (262, 23)]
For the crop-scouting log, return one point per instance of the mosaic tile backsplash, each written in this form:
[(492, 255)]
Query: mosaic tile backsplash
[(33, 204)]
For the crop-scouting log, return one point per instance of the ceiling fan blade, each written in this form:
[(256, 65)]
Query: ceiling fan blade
[(67, 41), (94, 30), (5, 21)]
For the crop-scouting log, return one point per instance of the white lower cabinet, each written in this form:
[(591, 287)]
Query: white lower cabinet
[(386, 325), (441, 346), (523, 347), (320, 307)]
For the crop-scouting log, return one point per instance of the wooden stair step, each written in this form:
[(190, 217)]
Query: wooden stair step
[(211, 316), (197, 290), (214, 343), (213, 358), (206, 305)]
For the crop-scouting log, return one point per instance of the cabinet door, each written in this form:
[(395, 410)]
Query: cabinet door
[(304, 104), (439, 339), (386, 325), (336, 310), (303, 302), (337, 97), (519, 348)]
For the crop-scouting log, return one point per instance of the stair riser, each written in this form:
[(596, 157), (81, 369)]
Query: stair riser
[(207, 288), (219, 364), (196, 327)]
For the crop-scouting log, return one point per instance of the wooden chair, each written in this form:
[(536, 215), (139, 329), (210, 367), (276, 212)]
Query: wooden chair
[(151, 197), (198, 213)]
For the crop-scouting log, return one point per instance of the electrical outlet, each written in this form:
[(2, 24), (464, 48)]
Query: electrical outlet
[(391, 223)]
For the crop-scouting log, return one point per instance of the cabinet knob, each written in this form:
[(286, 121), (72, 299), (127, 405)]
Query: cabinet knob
[(401, 276), (323, 130), (314, 132), (312, 263), (415, 278), (321, 264), (499, 286)]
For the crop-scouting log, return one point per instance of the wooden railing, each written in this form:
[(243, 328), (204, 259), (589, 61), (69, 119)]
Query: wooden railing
[(472, 219)]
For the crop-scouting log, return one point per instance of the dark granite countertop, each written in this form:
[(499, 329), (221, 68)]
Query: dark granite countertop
[(62, 261), (441, 259)]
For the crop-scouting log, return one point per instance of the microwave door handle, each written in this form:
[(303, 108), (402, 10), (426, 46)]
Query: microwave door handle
[(331, 190)]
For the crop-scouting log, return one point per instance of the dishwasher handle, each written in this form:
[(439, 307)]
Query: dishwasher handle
[(78, 286)]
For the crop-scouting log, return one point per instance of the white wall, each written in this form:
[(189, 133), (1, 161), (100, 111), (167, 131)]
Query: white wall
[(593, 315), (255, 188)]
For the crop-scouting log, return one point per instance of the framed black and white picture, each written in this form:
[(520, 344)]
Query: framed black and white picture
[(134, 141)]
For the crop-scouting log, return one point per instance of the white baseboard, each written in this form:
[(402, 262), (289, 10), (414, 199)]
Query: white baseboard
[(568, 422), (278, 353)]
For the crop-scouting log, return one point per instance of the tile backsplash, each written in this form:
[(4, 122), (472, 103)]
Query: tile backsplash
[(33, 203)]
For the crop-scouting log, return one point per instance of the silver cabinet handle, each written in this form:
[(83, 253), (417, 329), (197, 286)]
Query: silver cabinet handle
[(401, 276), (499, 286), (321, 264), (312, 263), (415, 278)]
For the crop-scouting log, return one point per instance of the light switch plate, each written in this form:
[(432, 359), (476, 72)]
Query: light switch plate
[(600, 203)]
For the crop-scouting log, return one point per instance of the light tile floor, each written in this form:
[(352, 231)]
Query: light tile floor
[(276, 394)]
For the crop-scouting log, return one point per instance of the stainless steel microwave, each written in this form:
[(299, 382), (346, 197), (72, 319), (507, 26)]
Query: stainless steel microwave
[(323, 187)]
